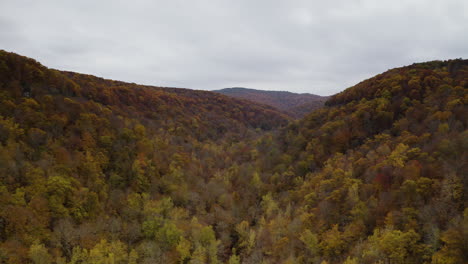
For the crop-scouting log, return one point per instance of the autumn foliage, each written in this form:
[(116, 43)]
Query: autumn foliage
[(102, 171)]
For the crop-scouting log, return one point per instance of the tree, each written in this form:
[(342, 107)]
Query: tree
[(39, 254), (311, 242), (393, 245), (455, 242), (246, 237), (183, 248), (109, 252), (332, 243)]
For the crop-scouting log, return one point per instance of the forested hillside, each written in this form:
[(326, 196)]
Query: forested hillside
[(380, 175), (77, 150), (100, 171), (294, 104)]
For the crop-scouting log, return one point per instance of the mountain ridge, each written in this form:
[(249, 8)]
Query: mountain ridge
[(279, 91), (294, 104)]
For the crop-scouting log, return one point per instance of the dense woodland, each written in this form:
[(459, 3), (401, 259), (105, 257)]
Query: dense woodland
[(292, 104), (101, 171)]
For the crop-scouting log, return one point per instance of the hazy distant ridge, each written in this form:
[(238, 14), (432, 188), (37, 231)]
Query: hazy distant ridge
[(294, 104)]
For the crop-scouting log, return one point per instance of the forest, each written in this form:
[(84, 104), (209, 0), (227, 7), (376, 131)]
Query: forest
[(103, 171)]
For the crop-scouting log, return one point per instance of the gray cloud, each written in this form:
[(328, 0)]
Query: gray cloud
[(319, 47)]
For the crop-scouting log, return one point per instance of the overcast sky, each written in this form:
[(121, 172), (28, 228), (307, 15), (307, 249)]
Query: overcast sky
[(320, 47)]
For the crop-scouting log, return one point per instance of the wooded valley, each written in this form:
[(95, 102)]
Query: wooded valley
[(102, 171)]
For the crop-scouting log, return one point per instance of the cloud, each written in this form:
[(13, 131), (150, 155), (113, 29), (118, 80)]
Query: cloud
[(319, 47)]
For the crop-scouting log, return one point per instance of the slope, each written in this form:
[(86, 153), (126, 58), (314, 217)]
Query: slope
[(78, 152), (379, 175)]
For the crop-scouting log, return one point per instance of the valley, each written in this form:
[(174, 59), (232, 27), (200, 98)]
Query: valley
[(102, 171)]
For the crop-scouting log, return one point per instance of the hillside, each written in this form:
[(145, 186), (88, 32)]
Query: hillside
[(101, 171), (75, 148), (294, 104), (380, 175)]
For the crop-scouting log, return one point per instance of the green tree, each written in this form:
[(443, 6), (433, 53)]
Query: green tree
[(109, 252), (39, 254)]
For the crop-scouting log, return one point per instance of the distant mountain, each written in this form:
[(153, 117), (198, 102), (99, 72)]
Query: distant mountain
[(294, 104)]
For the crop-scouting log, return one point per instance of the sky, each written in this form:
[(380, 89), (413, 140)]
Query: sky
[(319, 47)]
